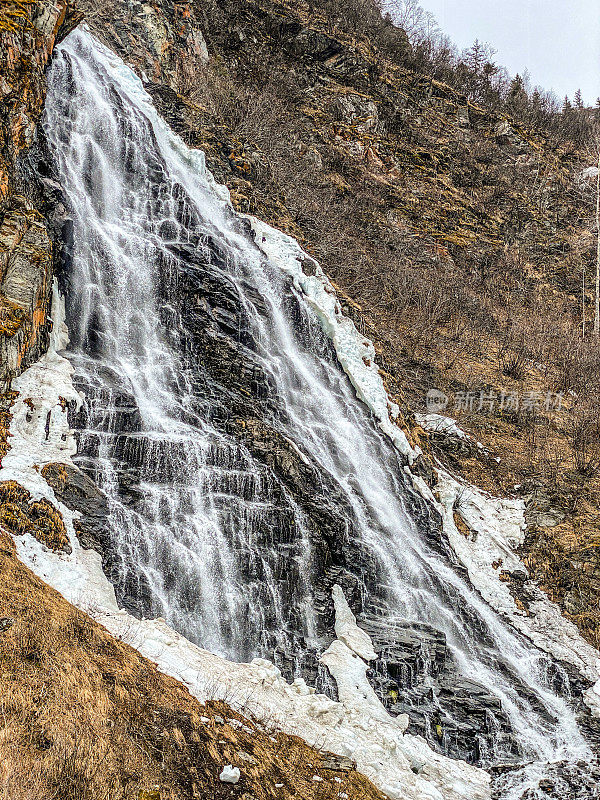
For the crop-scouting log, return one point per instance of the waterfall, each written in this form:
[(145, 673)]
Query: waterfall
[(208, 382)]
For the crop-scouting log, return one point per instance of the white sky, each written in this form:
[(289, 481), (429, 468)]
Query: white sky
[(557, 40)]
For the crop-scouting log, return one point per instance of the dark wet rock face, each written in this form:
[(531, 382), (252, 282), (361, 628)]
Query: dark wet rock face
[(415, 674), (254, 463), (79, 493), (558, 781)]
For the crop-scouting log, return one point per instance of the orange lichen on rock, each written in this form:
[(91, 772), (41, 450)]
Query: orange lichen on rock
[(29, 30), (6, 401), (12, 317)]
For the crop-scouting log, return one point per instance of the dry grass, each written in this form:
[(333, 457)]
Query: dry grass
[(85, 717), (19, 514)]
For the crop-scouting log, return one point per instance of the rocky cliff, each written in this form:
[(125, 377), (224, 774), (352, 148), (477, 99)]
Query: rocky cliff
[(28, 238)]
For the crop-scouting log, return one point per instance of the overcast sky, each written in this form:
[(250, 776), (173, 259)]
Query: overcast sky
[(557, 40)]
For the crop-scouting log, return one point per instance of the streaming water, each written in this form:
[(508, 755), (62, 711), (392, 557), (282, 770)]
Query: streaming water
[(203, 532)]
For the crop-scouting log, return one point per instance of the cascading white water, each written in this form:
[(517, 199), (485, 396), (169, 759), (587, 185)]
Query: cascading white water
[(198, 536)]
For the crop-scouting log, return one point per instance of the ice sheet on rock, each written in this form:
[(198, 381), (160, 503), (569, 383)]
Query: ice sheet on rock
[(39, 431), (347, 630), (498, 528), (40, 434), (354, 690), (592, 695)]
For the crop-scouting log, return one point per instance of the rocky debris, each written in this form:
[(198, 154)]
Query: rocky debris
[(149, 794), (6, 401), (507, 135), (25, 278), (20, 514), (337, 763), (462, 117)]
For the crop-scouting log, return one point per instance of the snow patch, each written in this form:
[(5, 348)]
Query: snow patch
[(39, 431), (587, 175), (230, 774), (592, 695), (497, 528), (349, 672), (438, 423), (347, 630)]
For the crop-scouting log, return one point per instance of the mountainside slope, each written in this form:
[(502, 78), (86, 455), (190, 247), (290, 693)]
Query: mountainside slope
[(85, 716), (459, 237)]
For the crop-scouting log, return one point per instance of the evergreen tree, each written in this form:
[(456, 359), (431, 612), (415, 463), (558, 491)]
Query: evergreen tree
[(518, 100)]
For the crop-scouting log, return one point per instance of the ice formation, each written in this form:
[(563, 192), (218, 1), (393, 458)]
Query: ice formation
[(347, 630)]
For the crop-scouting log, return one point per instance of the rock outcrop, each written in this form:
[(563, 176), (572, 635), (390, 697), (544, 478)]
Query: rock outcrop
[(28, 33)]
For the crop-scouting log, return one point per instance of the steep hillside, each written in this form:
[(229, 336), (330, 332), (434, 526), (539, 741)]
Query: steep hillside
[(458, 236), (85, 716)]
